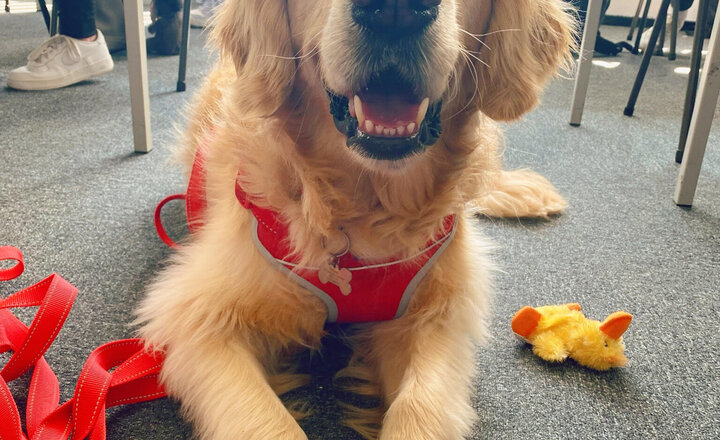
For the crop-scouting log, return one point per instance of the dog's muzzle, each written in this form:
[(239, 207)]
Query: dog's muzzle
[(385, 120)]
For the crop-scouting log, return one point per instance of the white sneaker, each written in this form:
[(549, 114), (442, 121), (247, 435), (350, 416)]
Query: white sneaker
[(645, 39), (61, 61), (200, 17)]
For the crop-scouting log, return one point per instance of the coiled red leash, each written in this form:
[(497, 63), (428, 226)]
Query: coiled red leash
[(133, 377)]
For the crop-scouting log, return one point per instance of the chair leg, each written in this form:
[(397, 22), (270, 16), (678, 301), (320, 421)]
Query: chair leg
[(587, 47), (45, 13), (641, 28), (137, 70), (661, 42), (184, 46), (674, 30), (691, 90), (701, 121), (54, 19), (634, 23), (659, 22)]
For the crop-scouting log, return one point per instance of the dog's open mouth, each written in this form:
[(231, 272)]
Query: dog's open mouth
[(386, 120)]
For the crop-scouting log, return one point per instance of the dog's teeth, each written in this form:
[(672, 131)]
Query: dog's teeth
[(401, 130), (369, 126), (411, 128), (391, 132), (359, 110), (379, 129), (422, 111)]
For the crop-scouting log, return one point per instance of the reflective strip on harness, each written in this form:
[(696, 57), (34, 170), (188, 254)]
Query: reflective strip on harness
[(378, 292)]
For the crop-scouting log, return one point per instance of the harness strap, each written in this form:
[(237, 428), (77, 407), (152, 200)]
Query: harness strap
[(159, 227), (383, 289), (195, 203), (117, 373)]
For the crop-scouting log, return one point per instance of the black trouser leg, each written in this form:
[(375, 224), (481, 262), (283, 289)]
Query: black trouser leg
[(167, 7), (581, 6), (684, 5), (77, 18), (166, 28)]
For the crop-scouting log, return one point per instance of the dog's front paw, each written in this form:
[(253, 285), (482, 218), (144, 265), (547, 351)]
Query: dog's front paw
[(521, 194), (406, 429), (236, 431), (422, 421)]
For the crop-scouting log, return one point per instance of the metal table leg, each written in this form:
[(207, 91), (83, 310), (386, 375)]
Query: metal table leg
[(674, 30), (587, 47), (692, 77), (659, 22), (634, 23), (137, 68), (701, 121), (661, 41), (641, 28), (184, 46)]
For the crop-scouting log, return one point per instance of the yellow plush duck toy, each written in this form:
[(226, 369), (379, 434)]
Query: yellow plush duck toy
[(559, 332)]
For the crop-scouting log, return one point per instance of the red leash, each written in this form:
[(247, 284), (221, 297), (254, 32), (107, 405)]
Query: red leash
[(134, 378)]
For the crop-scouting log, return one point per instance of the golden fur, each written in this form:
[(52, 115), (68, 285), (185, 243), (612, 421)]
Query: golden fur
[(228, 321)]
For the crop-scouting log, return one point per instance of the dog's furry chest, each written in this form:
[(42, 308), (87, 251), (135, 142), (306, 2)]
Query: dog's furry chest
[(351, 289)]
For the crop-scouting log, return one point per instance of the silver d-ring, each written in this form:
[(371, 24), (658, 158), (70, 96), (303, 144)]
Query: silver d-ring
[(323, 243)]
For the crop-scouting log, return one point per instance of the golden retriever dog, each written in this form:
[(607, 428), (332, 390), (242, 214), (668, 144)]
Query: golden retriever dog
[(367, 129)]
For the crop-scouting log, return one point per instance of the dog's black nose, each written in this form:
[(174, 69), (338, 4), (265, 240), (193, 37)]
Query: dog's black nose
[(395, 18)]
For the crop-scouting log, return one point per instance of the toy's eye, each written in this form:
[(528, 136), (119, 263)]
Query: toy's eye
[(606, 344)]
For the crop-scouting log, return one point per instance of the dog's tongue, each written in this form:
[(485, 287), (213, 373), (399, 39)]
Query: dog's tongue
[(389, 110)]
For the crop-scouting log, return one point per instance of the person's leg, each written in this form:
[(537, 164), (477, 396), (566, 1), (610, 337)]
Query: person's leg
[(602, 45), (167, 7), (683, 7), (605, 6), (77, 53), (166, 27), (77, 18), (712, 7)]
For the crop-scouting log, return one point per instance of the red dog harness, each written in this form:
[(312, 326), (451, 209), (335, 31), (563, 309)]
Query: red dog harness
[(352, 290)]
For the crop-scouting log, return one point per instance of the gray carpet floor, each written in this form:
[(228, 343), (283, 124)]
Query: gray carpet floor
[(79, 202)]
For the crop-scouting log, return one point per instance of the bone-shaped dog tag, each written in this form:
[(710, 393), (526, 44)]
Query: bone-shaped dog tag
[(331, 272)]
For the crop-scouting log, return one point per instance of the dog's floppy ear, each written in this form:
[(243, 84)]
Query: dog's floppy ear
[(255, 35), (526, 43)]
